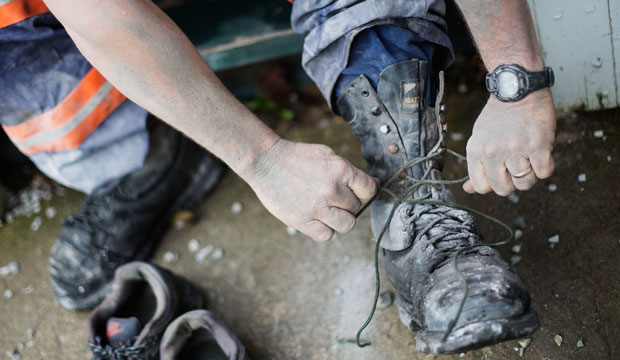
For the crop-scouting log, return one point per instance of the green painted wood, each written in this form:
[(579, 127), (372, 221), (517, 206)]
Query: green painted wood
[(231, 34)]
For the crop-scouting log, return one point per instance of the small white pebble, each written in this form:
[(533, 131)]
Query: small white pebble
[(558, 339), (50, 212), (461, 354), (521, 351), (36, 223), (20, 346), (202, 255), (28, 290), (513, 198), (193, 245), (518, 234), (170, 256), (13, 355), (515, 259), (291, 230), (30, 333), (581, 177), (338, 291), (217, 254), (11, 268), (81, 289), (599, 134), (554, 239), (525, 342), (236, 208), (516, 249), (552, 187), (516, 348), (608, 158), (579, 343), (8, 293)]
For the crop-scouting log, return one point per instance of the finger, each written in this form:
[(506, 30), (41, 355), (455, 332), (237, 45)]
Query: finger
[(345, 199), (499, 179), (519, 165), (317, 230), (542, 163), (363, 185), (469, 187), (338, 219), (477, 179)]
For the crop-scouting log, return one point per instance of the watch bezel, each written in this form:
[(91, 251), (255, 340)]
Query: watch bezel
[(522, 79)]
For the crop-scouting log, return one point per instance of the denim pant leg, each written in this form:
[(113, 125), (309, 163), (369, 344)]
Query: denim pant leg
[(412, 29), (39, 67)]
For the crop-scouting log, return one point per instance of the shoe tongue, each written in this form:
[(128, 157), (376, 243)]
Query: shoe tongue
[(122, 331)]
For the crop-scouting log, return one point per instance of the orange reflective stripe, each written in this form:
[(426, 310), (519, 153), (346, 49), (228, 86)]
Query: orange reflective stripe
[(59, 114), (17, 10), (74, 138), (66, 125)]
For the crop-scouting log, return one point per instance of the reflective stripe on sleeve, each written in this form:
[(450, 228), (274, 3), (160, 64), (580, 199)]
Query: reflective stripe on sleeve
[(14, 11)]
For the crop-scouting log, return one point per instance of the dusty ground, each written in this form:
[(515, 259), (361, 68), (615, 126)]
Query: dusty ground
[(290, 298)]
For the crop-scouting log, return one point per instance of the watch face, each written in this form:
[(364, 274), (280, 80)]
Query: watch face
[(507, 84)]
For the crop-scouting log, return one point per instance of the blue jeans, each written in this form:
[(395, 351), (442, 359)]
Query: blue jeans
[(376, 48)]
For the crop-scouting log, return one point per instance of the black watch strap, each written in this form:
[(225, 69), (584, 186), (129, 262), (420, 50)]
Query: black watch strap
[(540, 79)]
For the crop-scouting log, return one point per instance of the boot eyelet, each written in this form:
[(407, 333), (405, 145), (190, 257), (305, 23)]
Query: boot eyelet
[(365, 93), (376, 111), (393, 148), (384, 129)]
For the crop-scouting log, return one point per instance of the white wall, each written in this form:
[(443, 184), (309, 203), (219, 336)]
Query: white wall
[(580, 39)]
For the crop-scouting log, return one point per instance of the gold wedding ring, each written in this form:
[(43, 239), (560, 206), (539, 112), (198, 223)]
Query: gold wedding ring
[(522, 174)]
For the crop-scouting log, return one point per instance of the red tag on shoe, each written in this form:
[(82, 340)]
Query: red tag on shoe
[(122, 331)]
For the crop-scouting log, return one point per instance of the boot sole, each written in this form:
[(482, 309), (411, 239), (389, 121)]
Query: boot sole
[(477, 335), (202, 181)]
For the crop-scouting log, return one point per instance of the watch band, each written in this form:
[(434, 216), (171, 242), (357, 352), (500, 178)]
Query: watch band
[(529, 81), (540, 79)]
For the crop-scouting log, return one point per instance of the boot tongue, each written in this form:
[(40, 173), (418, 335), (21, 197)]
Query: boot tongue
[(122, 331)]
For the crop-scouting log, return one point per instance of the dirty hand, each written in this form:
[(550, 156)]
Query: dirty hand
[(310, 188), (506, 140)]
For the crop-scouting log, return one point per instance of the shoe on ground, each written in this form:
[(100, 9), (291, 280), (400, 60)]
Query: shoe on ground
[(395, 126), (124, 220), (200, 335), (143, 300)]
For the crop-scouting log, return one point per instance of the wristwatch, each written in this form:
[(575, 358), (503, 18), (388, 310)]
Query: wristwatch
[(513, 82)]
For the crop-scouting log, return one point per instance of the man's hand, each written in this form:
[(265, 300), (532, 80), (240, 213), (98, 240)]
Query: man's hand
[(506, 140), (310, 188)]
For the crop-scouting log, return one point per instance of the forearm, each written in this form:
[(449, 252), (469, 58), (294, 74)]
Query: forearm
[(147, 57), (503, 31)]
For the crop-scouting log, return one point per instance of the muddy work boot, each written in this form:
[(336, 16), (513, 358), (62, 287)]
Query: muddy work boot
[(124, 220), (395, 127), (143, 300), (198, 335)]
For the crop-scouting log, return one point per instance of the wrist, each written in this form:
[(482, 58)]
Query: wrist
[(255, 160), (537, 106), (531, 62)]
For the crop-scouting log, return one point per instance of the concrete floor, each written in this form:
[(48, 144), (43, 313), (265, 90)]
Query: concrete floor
[(288, 297)]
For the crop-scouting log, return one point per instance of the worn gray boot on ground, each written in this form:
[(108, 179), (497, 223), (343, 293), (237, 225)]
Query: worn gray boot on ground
[(395, 126)]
